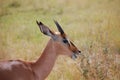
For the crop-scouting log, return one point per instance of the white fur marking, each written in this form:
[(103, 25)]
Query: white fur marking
[(8, 65)]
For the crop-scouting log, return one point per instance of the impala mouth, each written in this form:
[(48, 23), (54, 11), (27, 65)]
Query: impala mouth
[(74, 56)]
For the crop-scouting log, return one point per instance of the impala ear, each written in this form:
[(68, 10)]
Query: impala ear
[(59, 27), (45, 30)]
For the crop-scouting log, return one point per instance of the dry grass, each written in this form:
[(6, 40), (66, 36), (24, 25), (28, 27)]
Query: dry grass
[(93, 26)]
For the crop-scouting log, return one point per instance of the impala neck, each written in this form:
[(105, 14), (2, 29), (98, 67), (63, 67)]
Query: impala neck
[(45, 63)]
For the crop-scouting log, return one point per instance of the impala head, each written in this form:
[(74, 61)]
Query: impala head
[(62, 44)]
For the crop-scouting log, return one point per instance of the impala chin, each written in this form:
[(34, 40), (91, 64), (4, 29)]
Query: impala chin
[(74, 56)]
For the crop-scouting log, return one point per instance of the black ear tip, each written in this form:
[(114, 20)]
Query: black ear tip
[(54, 20), (39, 23)]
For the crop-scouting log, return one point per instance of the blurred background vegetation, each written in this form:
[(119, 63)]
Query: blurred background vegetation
[(93, 25)]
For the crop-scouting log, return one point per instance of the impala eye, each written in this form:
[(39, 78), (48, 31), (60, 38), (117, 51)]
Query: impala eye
[(65, 41)]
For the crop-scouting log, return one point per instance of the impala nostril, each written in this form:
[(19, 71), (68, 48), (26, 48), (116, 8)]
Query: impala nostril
[(79, 51)]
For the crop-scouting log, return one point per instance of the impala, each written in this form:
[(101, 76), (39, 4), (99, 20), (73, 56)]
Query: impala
[(58, 44)]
